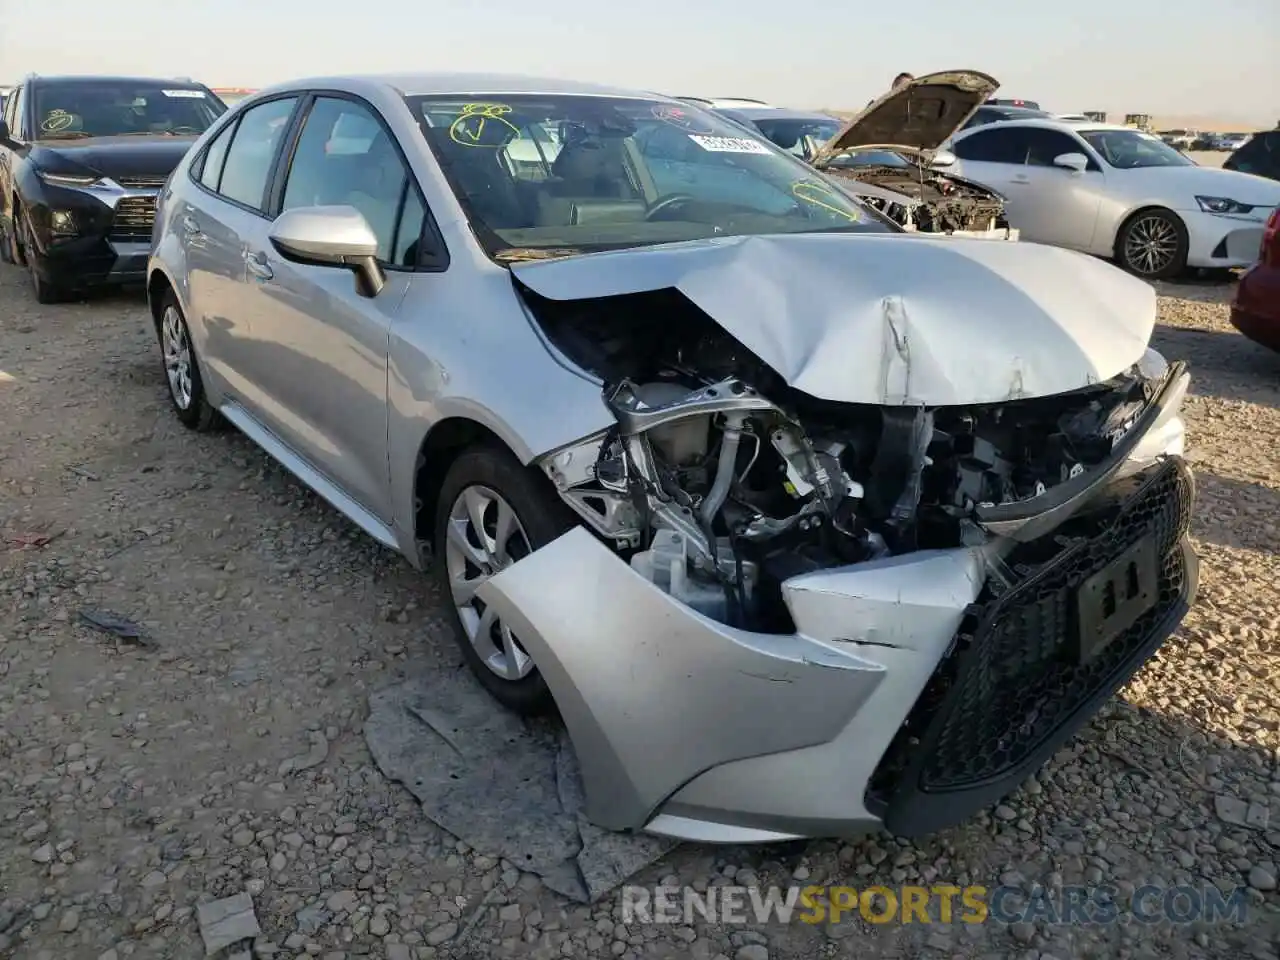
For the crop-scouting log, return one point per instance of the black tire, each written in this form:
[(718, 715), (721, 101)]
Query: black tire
[(44, 291), (1153, 244), (190, 405), (543, 517), (8, 247)]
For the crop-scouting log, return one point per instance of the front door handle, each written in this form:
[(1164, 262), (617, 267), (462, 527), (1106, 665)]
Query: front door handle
[(1020, 180), (190, 227), (258, 266)]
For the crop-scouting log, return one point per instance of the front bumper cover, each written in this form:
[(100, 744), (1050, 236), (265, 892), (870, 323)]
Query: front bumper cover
[(900, 701)]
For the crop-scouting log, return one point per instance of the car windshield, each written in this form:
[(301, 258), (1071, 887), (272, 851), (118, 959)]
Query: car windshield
[(100, 108), (581, 173), (1129, 149), (870, 158), (789, 133)]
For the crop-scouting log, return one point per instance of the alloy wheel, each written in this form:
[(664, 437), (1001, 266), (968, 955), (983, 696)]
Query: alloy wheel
[(177, 356), (1151, 244), (484, 536)]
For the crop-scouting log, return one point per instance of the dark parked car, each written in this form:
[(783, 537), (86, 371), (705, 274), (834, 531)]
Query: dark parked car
[(82, 160), (1256, 310), (995, 112), (1260, 155), (1028, 104)]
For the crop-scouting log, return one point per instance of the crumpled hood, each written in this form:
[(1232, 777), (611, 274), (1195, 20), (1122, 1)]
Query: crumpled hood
[(891, 319)]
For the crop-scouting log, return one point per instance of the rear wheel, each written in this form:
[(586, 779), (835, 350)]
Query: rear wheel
[(181, 372), (1153, 244), (492, 512)]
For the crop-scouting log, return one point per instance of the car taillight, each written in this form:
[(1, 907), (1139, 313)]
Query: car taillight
[(1270, 252)]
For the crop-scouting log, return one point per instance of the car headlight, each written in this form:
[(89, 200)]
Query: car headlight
[(68, 179), (1222, 205), (1153, 365)]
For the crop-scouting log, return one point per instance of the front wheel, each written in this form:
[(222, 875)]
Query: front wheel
[(45, 292), (492, 512), (1153, 244)]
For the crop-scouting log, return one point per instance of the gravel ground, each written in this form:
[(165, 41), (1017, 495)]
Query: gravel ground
[(139, 781)]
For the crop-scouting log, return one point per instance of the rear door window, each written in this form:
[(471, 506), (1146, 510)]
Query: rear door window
[(999, 144)]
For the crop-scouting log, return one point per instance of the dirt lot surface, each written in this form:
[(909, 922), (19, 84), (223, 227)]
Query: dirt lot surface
[(139, 781)]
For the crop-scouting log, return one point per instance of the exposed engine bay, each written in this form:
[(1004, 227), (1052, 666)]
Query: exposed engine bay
[(719, 481), (945, 204)]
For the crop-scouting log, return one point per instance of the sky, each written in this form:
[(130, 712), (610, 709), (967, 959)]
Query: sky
[(1214, 58)]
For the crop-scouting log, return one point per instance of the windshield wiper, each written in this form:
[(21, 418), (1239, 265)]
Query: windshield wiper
[(66, 135)]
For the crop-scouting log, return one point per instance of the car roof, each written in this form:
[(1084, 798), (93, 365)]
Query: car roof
[(780, 113), (1011, 111), (177, 82), (1049, 123), (448, 84)]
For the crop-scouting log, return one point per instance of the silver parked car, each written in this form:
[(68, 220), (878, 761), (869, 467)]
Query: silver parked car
[(805, 525), (1118, 192)]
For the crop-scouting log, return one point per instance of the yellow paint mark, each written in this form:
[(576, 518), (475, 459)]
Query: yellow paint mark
[(820, 195), (56, 120), (7, 377), (468, 129)]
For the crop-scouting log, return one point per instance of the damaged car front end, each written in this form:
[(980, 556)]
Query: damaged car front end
[(895, 144), (869, 581), (823, 527)]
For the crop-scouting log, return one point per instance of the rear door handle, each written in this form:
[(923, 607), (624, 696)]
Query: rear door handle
[(190, 227), (258, 266)]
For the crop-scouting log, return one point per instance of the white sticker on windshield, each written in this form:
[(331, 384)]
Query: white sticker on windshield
[(190, 94), (728, 144)]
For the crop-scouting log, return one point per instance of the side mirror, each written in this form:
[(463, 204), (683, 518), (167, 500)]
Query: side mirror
[(4, 133), (943, 158), (337, 236), (1075, 162)]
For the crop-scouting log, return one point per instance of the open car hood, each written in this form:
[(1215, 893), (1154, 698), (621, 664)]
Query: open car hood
[(886, 318), (919, 116)]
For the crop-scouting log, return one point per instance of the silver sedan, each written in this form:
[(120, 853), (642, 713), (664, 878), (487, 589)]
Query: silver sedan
[(805, 525), (1118, 192)]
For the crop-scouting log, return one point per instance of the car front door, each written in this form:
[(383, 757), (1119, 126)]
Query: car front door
[(1059, 205), (211, 223), (321, 360)]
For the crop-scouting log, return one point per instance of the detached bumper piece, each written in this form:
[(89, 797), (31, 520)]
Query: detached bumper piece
[(1065, 623)]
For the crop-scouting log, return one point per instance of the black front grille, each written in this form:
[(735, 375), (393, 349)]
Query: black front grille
[(1013, 686), (134, 218), (142, 181)]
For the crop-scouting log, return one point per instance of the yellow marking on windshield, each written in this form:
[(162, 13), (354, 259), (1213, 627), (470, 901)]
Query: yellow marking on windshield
[(468, 129), (56, 121), (820, 195)]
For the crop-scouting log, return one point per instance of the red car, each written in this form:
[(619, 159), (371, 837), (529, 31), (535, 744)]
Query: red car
[(1256, 310)]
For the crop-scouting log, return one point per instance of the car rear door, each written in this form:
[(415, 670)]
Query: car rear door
[(996, 156), (212, 221), (321, 361)]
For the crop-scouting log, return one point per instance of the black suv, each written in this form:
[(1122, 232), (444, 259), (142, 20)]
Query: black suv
[(82, 160), (1260, 156)]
